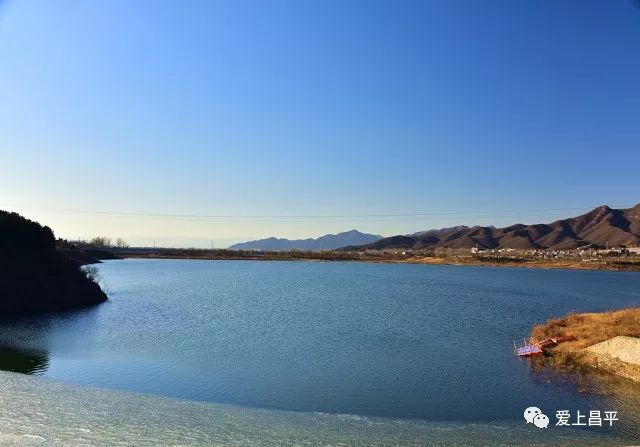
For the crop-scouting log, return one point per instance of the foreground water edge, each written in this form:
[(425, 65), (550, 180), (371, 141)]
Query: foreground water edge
[(37, 411)]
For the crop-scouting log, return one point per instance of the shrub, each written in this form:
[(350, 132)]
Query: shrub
[(91, 272)]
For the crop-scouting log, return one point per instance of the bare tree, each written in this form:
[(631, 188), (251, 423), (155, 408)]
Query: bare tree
[(100, 242), (121, 243)]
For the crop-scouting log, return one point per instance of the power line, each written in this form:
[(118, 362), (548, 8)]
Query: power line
[(293, 218)]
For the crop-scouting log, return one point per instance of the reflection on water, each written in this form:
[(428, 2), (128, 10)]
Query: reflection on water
[(24, 346), (23, 361)]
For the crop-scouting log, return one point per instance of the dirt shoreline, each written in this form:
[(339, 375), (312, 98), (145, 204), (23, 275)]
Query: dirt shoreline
[(607, 265)]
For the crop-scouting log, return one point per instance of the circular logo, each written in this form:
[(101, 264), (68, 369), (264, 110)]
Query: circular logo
[(531, 413)]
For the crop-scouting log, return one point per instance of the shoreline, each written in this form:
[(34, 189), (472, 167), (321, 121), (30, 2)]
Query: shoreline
[(604, 342), (633, 266)]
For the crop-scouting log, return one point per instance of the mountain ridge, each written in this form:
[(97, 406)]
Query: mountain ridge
[(326, 242), (601, 227)]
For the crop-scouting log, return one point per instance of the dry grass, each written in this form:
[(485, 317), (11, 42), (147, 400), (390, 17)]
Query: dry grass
[(589, 329)]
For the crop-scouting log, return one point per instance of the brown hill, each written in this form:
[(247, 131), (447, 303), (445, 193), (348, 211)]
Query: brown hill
[(598, 228)]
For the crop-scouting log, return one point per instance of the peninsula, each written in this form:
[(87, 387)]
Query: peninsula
[(607, 341)]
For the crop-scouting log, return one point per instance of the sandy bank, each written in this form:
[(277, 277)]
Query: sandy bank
[(619, 355), (626, 349)]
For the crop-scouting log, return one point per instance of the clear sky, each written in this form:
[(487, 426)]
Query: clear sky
[(269, 113)]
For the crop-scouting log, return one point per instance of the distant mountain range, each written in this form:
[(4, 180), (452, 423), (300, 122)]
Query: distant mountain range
[(326, 242), (598, 228)]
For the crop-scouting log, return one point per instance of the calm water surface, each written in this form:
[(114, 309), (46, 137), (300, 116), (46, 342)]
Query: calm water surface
[(419, 342)]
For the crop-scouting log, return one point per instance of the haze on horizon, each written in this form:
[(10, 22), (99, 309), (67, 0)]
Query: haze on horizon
[(209, 120)]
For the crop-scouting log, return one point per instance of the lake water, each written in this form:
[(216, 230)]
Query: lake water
[(387, 342)]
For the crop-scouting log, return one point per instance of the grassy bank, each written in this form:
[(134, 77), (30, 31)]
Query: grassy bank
[(591, 329)]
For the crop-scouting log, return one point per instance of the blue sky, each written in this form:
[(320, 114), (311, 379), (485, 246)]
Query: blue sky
[(270, 112)]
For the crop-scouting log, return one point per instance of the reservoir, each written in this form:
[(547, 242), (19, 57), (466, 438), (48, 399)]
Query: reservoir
[(331, 343)]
